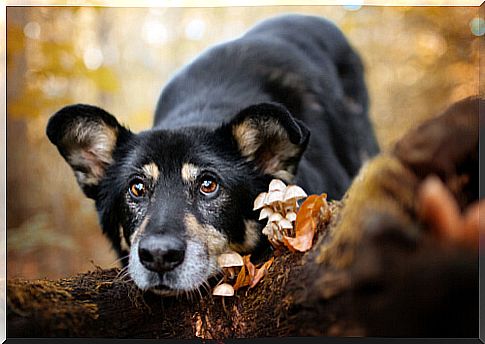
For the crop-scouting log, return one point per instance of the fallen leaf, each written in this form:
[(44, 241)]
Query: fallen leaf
[(250, 275), (250, 266), (313, 210), (246, 274), (242, 279), (262, 271)]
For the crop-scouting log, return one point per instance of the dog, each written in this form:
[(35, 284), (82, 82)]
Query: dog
[(174, 197)]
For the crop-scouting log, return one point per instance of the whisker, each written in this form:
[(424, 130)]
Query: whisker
[(119, 259)]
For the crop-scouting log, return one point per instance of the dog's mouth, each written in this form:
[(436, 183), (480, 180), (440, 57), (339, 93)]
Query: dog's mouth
[(162, 289)]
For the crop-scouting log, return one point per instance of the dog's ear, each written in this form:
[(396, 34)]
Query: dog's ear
[(271, 137), (86, 137)]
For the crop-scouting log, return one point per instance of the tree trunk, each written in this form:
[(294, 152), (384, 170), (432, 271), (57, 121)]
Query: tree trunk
[(378, 269)]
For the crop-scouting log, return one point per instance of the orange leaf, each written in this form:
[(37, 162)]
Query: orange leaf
[(262, 271), (242, 279), (250, 266), (306, 223)]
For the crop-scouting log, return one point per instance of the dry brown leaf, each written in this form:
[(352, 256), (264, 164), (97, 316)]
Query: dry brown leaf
[(312, 211), (250, 275), (262, 271), (242, 279), (250, 266)]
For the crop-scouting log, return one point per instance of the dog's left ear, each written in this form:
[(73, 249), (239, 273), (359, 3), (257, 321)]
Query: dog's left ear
[(270, 136)]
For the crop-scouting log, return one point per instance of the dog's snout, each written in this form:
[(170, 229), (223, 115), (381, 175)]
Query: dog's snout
[(161, 253)]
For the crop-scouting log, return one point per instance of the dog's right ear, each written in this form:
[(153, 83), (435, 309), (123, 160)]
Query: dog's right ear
[(86, 137)]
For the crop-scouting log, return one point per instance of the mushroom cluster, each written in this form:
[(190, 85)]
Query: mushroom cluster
[(279, 205), (230, 262)]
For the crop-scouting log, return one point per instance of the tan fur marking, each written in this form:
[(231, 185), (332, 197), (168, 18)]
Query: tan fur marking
[(251, 237), (189, 172), (215, 241), (151, 170), (124, 245), (136, 234)]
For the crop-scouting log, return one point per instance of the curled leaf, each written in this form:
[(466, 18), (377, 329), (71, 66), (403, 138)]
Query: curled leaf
[(313, 210), (242, 279), (261, 272)]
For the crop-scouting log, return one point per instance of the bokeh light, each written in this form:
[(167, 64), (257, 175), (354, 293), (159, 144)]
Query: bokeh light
[(477, 26)]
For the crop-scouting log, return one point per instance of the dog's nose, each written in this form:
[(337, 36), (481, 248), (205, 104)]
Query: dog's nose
[(161, 253)]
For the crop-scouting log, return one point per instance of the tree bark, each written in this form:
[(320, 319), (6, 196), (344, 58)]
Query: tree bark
[(378, 269)]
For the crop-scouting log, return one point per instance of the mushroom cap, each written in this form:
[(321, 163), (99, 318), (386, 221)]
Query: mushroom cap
[(294, 192), (284, 223), (224, 289), (267, 230), (275, 217), (274, 196), (229, 259), (265, 212), (276, 184), (291, 216), (259, 201)]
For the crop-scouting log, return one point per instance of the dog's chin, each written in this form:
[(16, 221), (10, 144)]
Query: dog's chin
[(192, 274)]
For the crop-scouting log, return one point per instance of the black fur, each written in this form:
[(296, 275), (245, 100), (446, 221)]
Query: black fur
[(287, 77)]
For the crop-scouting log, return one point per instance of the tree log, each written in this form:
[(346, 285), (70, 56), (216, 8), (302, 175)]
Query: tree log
[(378, 268)]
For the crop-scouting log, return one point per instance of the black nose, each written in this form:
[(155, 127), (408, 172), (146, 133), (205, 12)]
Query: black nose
[(161, 252)]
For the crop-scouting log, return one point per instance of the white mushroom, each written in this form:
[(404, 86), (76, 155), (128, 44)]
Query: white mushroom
[(275, 217), (285, 224), (265, 212), (230, 259), (294, 192), (267, 230), (223, 289), (291, 216), (273, 197), (276, 185), (259, 201)]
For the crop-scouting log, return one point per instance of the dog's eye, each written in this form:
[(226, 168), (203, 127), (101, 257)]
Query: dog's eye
[(137, 188), (208, 185)]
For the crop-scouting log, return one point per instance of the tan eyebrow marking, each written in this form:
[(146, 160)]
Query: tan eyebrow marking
[(189, 172), (151, 170)]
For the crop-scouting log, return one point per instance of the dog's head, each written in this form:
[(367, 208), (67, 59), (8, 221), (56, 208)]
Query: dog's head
[(171, 201)]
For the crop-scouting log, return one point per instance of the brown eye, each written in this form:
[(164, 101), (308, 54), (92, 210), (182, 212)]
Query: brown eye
[(208, 185), (137, 188)]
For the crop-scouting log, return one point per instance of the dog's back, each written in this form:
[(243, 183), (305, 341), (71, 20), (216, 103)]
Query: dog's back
[(175, 197), (303, 62)]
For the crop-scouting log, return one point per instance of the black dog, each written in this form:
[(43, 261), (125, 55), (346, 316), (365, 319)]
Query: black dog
[(176, 196)]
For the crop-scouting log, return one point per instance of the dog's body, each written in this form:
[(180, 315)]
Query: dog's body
[(176, 196)]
